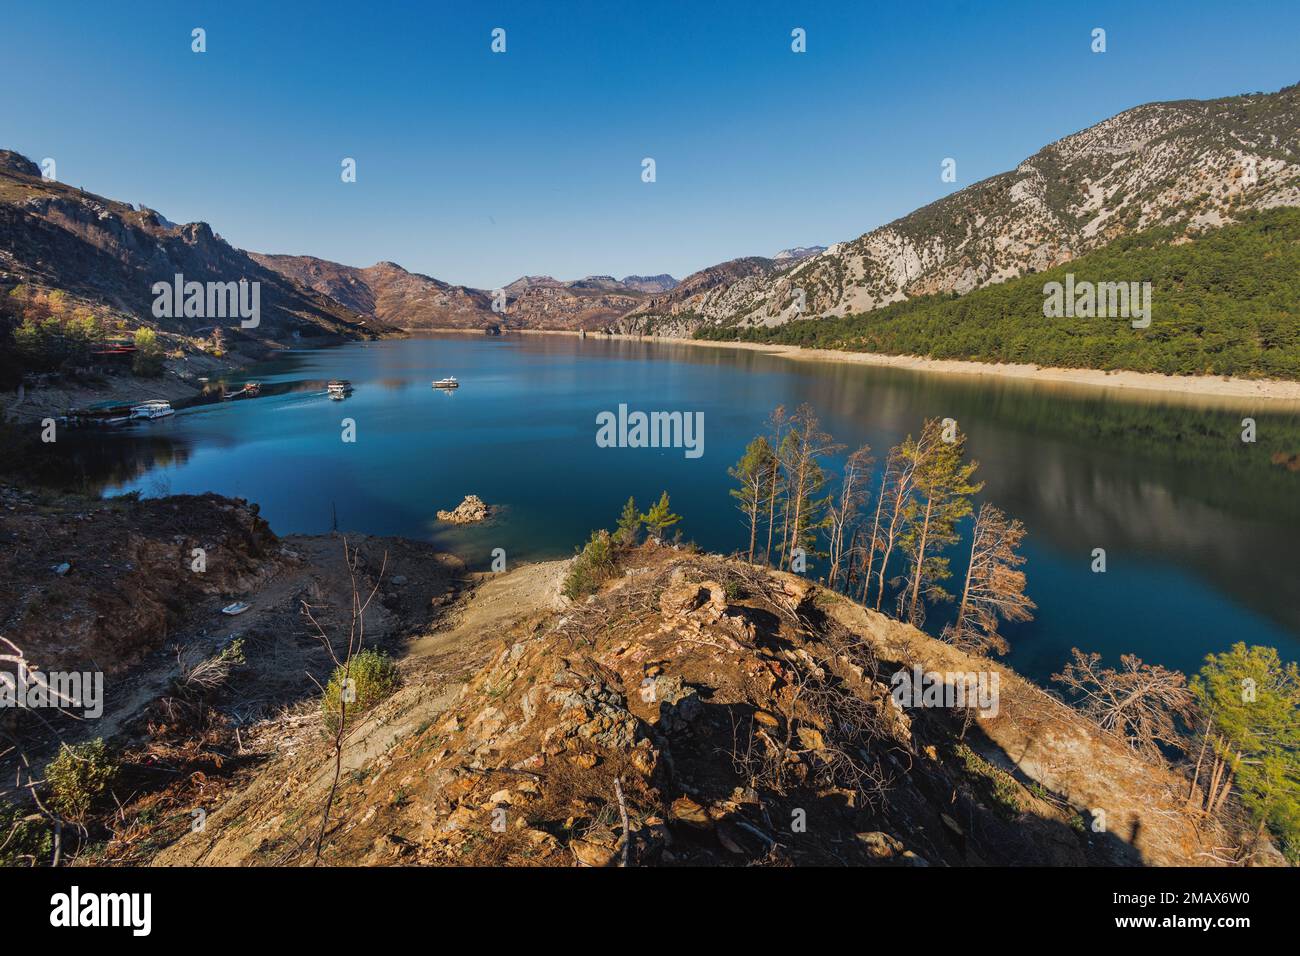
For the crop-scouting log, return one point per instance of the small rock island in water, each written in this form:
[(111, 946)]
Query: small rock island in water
[(470, 510)]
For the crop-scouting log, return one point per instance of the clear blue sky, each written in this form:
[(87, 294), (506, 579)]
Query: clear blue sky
[(477, 168)]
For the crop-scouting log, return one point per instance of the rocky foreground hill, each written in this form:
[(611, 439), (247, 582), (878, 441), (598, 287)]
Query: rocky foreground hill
[(696, 710)]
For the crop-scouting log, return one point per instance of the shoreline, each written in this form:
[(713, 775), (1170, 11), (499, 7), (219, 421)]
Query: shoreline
[(1216, 388)]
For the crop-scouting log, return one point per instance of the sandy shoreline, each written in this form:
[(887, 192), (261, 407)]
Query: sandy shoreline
[(1215, 388)]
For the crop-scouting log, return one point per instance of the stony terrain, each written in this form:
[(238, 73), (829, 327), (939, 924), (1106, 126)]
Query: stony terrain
[(698, 711)]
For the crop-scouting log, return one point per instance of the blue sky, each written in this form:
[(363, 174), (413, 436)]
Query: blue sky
[(478, 167)]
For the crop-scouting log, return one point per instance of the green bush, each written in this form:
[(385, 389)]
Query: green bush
[(23, 842), (593, 566), (148, 361), (1222, 304), (79, 776), (374, 676)]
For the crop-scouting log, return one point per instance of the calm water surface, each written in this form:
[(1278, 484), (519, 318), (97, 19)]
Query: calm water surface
[(1200, 530)]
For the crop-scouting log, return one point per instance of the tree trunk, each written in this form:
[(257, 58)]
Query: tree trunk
[(771, 511), (1196, 774), (871, 551), (920, 558), (965, 590)]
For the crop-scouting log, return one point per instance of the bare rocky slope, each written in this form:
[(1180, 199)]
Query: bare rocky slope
[(1199, 162), (698, 711), (409, 300), (108, 252)]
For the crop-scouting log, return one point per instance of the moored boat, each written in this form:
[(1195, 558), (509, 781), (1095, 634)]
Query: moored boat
[(249, 390), (448, 382), (154, 408)]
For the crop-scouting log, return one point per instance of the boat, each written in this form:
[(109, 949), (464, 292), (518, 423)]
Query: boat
[(100, 413), (154, 408), (340, 388), (448, 382), (239, 607), (249, 390)]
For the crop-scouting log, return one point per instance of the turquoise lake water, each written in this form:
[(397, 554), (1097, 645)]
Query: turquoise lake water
[(1200, 530)]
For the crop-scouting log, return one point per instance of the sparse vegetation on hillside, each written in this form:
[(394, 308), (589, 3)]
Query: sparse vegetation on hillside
[(79, 777), (368, 678)]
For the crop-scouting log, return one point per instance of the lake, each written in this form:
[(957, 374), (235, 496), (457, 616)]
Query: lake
[(1200, 529)]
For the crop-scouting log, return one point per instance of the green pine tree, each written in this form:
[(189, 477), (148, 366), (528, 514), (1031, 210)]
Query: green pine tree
[(1251, 704), (660, 517), (629, 523)]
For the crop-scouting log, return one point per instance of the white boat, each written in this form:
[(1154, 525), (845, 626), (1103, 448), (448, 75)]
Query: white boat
[(155, 408), (448, 382), (239, 607), (339, 388)]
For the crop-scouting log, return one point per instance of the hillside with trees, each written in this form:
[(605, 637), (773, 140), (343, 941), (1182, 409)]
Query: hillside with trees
[(1223, 302)]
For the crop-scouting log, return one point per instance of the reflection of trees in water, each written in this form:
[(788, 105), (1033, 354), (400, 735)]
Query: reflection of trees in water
[(90, 461)]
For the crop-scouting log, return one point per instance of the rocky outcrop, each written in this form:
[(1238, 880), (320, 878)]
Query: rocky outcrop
[(470, 510)]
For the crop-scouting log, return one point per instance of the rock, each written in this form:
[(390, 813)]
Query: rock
[(467, 512), (879, 845), (679, 600), (398, 580), (688, 811), (766, 719), (584, 761), (591, 853), (61, 569), (811, 739), (644, 760)]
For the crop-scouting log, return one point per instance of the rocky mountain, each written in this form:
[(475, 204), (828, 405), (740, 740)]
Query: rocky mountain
[(388, 293), (1198, 162), (709, 294), (797, 253), (111, 253), (653, 284)]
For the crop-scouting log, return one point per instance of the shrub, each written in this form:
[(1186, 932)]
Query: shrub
[(79, 776), (593, 566), (23, 841), (373, 676), (148, 361)]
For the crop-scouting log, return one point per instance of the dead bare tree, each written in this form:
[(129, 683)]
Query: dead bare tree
[(1141, 703), (356, 641), (995, 586), (845, 508), (778, 423), (896, 491)]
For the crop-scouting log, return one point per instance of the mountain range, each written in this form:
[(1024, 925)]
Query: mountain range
[(1199, 163)]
